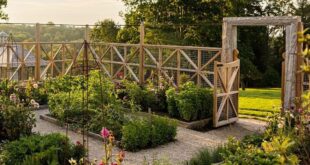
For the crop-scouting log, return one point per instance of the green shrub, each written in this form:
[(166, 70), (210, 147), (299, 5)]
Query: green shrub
[(111, 117), (191, 102), (207, 157), (133, 91), (15, 120), (36, 149), (143, 133), (36, 92), (171, 103), (101, 90), (136, 135), (68, 107), (163, 130), (65, 83)]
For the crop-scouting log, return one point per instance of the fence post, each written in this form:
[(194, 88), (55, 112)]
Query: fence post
[(141, 55), (199, 68), (86, 33), (299, 75), (178, 68), (38, 52), (160, 63), (22, 72), (8, 62)]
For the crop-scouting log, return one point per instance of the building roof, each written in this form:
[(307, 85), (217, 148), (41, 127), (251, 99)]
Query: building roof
[(15, 56)]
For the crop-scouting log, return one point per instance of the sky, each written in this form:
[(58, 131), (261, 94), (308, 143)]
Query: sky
[(64, 11)]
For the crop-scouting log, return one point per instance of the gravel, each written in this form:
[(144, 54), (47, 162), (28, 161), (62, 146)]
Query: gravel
[(187, 143)]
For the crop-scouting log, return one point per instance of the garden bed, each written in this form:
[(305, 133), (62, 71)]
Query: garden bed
[(53, 120), (195, 125)]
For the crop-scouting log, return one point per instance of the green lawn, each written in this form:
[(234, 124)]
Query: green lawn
[(259, 103)]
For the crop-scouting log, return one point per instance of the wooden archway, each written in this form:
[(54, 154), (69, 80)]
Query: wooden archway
[(293, 79)]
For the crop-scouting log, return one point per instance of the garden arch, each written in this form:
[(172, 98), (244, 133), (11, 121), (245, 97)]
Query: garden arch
[(291, 81)]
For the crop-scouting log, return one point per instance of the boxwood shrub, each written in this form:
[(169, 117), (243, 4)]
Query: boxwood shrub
[(148, 132), (36, 150), (190, 103)]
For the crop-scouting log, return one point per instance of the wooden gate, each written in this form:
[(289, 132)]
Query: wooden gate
[(226, 93)]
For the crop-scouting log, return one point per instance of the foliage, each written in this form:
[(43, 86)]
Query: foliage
[(68, 107), (63, 84), (111, 117), (191, 102), (15, 120), (3, 15), (27, 93), (136, 135), (105, 31), (131, 91), (271, 78), (37, 149), (101, 90), (36, 92), (49, 32), (144, 97), (206, 157), (139, 134)]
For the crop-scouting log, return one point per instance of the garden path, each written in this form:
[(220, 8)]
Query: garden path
[(188, 142)]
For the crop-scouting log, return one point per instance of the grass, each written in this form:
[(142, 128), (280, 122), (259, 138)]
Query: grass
[(259, 103)]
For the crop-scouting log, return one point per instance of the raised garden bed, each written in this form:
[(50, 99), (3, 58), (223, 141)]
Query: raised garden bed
[(52, 120), (195, 125)]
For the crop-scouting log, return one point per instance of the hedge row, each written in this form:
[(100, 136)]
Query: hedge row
[(144, 133)]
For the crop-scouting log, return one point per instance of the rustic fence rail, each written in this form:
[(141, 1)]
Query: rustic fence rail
[(137, 62)]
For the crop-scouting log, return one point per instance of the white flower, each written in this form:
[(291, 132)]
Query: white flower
[(280, 125), (72, 161), (32, 101), (35, 85), (13, 98)]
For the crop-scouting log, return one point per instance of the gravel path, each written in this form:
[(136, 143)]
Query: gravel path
[(188, 142)]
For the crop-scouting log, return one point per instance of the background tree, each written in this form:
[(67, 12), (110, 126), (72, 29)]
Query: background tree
[(105, 31), (3, 4)]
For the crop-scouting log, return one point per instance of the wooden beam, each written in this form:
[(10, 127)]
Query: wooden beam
[(261, 21), (38, 52), (199, 61), (141, 54), (290, 63)]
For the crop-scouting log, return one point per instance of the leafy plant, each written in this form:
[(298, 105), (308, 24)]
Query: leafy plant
[(142, 133), (136, 135), (191, 102), (112, 117), (37, 149), (15, 120), (207, 157)]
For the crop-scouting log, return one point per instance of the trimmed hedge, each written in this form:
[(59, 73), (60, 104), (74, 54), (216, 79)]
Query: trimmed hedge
[(190, 103), (36, 150), (143, 133)]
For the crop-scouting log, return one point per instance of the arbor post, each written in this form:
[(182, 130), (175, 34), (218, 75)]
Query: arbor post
[(141, 54), (38, 52)]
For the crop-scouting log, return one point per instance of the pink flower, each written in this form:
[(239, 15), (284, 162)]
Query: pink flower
[(105, 132), (113, 163), (101, 163)]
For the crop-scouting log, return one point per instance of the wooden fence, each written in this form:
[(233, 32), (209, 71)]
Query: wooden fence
[(138, 62)]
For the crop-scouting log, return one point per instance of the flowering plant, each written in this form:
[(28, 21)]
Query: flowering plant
[(108, 144)]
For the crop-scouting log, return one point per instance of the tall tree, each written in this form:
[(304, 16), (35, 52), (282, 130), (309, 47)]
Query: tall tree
[(3, 4), (105, 31)]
